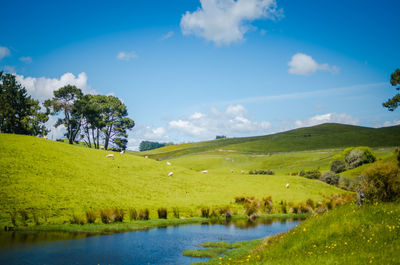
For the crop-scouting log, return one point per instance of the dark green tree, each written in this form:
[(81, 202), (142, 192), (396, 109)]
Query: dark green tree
[(148, 145), (116, 123), (64, 101), (19, 113), (392, 103)]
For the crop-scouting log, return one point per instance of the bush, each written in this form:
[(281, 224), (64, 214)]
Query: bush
[(91, 216), (162, 213), (261, 172), (311, 174), (76, 219), (35, 217), (144, 214), (381, 182), (251, 209), (338, 166), (283, 207), (330, 177), (133, 214), (106, 216), (301, 208), (267, 204), (348, 183), (13, 216), (205, 212), (357, 156), (310, 203), (176, 212), (118, 215)]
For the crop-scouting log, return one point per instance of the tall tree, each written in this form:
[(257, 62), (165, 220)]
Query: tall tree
[(116, 123), (393, 102), (64, 101), (19, 113)]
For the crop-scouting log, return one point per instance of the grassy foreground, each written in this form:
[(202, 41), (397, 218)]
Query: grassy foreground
[(345, 235), (54, 181)]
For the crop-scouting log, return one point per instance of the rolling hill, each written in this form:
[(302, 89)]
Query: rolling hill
[(324, 136)]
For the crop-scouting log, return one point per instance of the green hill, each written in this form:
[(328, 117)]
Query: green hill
[(55, 180), (325, 136)]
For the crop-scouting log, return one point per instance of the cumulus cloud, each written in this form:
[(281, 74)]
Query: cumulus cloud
[(391, 123), (233, 122), (8, 68), (4, 52), (146, 133), (226, 21), (327, 118), (42, 88), (303, 64), (26, 59), (126, 56), (168, 35)]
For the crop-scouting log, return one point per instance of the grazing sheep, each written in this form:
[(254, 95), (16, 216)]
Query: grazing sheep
[(204, 172), (231, 170), (45, 137), (110, 156), (242, 171), (287, 185), (102, 147), (170, 174), (168, 163), (146, 157), (122, 152)]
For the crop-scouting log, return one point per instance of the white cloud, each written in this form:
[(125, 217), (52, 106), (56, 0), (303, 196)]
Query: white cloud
[(126, 56), (42, 88), (26, 59), (146, 133), (327, 118), (4, 52), (8, 68), (231, 122), (391, 123), (303, 64), (226, 21), (168, 35)]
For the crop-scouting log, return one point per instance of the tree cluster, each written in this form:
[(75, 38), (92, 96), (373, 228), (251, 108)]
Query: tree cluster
[(147, 145), (94, 119), (19, 113)]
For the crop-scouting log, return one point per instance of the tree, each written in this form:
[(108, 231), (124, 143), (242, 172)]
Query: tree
[(116, 123), (64, 101), (147, 145), (393, 103), (19, 113)]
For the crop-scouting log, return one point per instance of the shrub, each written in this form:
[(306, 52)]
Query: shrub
[(357, 156), (175, 210), (91, 216), (261, 172), (338, 166), (144, 214), (330, 177), (24, 217), (205, 212), (214, 213), (76, 219), (267, 204), (251, 209), (35, 217), (310, 203), (348, 183), (162, 213), (106, 216), (381, 182), (301, 208), (283, 207), (118, 215), (133, 214), (311, 174)]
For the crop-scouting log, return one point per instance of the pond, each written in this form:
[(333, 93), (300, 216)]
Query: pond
[(153, 246)]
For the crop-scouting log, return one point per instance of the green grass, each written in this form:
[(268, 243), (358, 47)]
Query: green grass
[(345, 235), (325, 136), (55, 180)]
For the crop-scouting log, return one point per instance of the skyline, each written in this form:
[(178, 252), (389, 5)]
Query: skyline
[(191, 70)]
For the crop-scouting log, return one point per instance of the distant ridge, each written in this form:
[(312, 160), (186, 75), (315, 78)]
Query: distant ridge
[(327, 135)]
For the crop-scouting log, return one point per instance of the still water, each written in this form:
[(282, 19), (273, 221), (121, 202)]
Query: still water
[(153, 246)]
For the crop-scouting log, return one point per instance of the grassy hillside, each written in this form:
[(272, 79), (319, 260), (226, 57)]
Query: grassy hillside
[(55, 180), (325, 136), (345, 235)]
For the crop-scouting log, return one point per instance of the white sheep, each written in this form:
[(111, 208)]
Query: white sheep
[(170, 174), (146, 157), (45, 137), (287, 185), (122, 152), (231, 170), (110, 156), (204, 172), (102, 147), (242, 171), (168, 163)]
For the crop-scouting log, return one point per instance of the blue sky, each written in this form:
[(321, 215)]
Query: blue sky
[(190, 70)]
